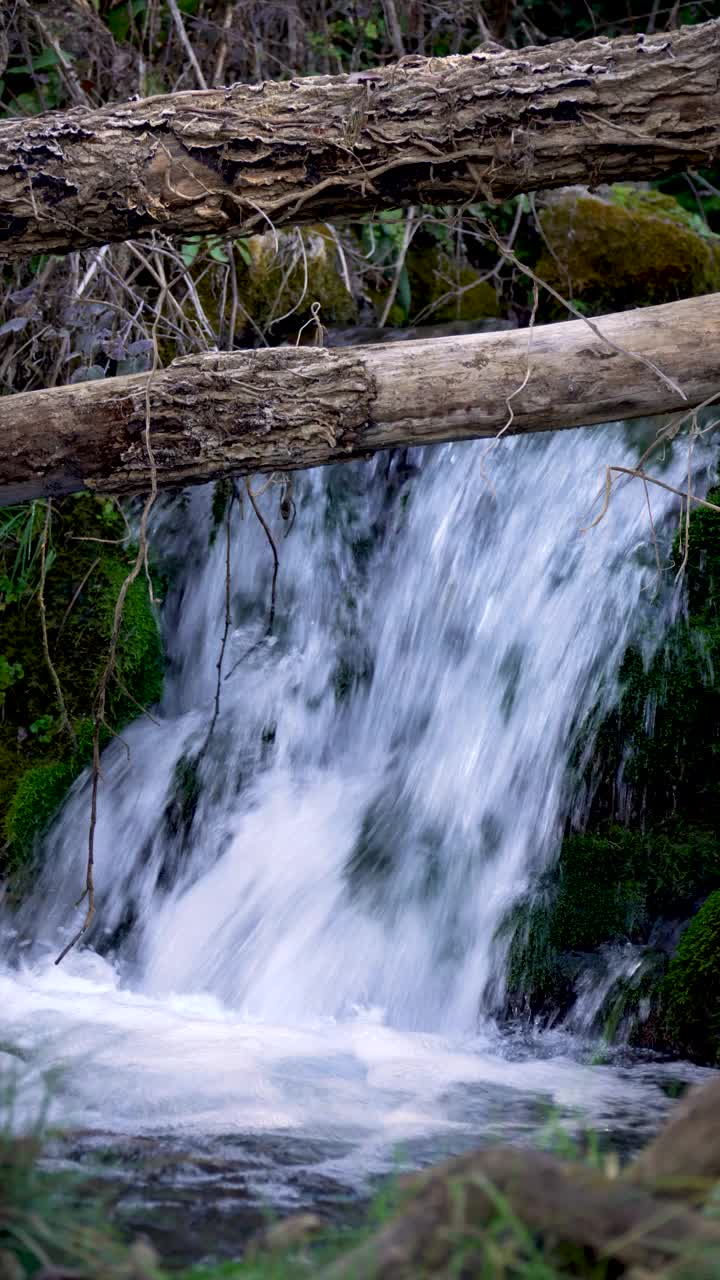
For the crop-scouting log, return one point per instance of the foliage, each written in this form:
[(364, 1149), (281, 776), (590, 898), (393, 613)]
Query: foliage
[(55, 1224), (91, 554), (691, 989)]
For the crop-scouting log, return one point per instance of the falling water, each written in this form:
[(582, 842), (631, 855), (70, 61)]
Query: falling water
[(300, 919)]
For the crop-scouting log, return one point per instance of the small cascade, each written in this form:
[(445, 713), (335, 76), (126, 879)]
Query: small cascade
[(327, 877)]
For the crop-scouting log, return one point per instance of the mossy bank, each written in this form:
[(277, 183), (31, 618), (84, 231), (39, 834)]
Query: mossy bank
[(88, 553)]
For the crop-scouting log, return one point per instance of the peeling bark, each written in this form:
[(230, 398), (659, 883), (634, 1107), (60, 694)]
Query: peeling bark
[(287, 408), (483, 126)]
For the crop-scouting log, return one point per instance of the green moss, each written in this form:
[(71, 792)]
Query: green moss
[(607, 887), (437, 288), (38, 795), (433, 276), (692, 987), (627, 248), (291, 272), (87, 564)]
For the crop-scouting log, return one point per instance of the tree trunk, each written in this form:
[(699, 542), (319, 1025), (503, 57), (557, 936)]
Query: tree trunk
[(286, 408), (480, 127)]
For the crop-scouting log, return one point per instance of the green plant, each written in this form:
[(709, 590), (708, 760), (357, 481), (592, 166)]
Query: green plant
[(691, 989), (84, 570)]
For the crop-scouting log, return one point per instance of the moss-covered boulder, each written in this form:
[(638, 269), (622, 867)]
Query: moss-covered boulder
[(88, 558), (609, 886), (448, 289), (290, 272), (435, 287), (626, 247), (691, 990)]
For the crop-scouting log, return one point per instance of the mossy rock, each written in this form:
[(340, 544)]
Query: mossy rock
[(289, 273), (625, 248), (607, 887), (88, 560), (438, 288), (692, 987)]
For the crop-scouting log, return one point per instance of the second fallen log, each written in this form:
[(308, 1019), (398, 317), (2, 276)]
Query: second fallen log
[(283, 409)]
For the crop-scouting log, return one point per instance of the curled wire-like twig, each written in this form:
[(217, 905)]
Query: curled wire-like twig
[(273, 548)]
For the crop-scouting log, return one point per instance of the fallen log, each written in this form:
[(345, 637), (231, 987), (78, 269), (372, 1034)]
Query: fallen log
[(484, 126), (282, 409)]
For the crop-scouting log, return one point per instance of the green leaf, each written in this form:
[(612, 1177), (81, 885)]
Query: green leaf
[(41, 62), (50, 58), (190, 249), (371, 29), (10, 672), (217, 253), (244, 251), (29, 104), (43, 728)]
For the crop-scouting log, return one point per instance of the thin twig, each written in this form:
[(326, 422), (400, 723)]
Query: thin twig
[(131, 698), (185, 42), (652, 528), (408, 233), (276, 565), (76, 593), (511, 413), (273, 548), (688, 499), (219, 72), (641, 475)]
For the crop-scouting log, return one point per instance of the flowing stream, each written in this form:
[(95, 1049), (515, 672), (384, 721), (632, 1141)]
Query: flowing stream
[(299, 949)]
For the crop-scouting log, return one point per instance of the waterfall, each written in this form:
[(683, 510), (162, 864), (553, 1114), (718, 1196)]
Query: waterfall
[(386, 777)]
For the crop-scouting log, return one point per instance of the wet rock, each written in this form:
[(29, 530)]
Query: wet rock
[(282, 1237)]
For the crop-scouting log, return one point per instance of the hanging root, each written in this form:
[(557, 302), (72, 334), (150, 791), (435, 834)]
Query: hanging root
[(273, 548), (99, 718), (221, 657), (286, 505)]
